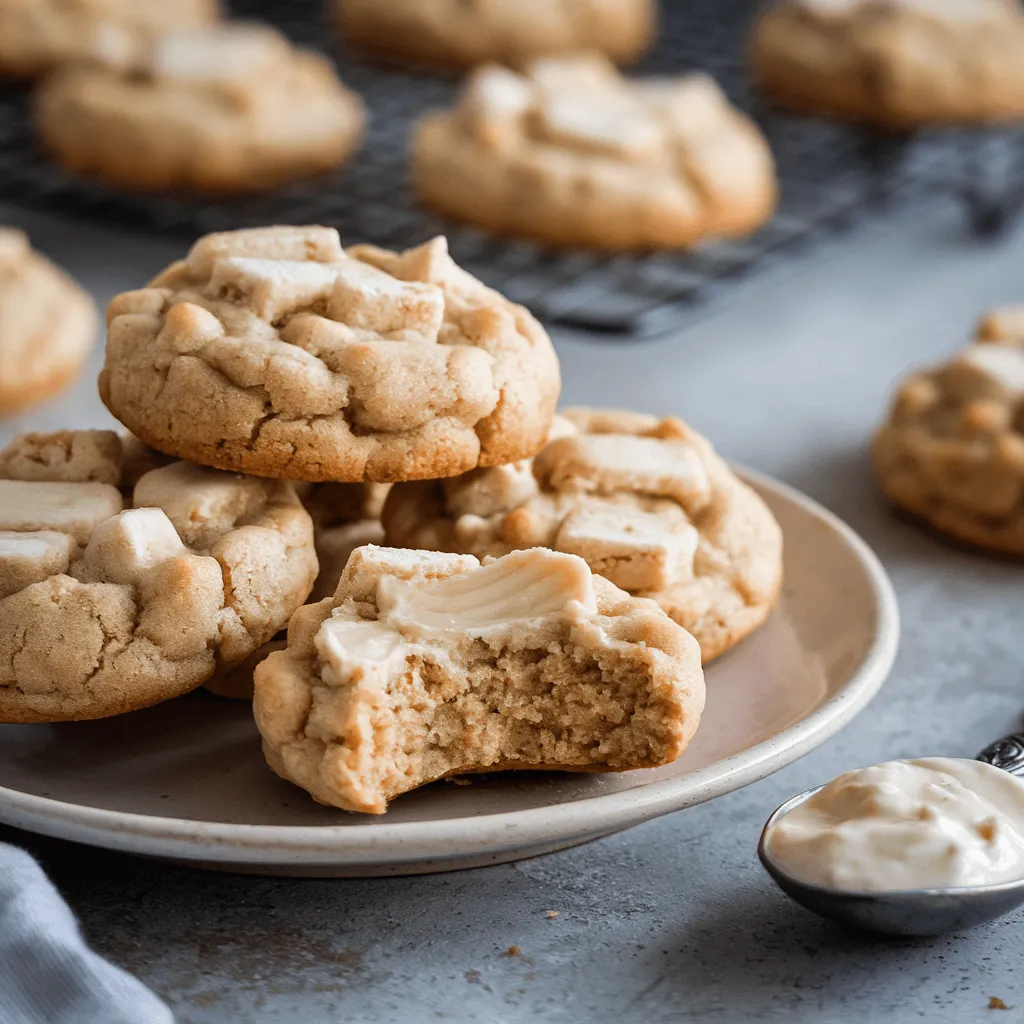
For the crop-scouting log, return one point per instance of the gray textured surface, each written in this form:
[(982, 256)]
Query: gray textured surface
[(674, 920)]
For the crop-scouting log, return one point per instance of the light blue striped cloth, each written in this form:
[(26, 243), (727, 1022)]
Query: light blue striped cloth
[(47, 973)]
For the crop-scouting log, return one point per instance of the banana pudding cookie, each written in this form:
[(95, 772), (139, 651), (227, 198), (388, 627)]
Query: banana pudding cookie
[(39, 35), (424, 665), (952, 450), (113, 598), (572, 153), (274, 351), (453, 33), (896, 63), (228, 108), (47, 325), (646, 502)]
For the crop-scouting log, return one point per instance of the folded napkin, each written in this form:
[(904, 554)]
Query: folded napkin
[(47, 973)]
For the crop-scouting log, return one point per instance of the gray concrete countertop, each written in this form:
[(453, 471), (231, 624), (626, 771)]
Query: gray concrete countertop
[(673, 920)]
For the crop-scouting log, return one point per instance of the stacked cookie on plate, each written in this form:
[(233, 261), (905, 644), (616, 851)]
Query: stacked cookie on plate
[(536, 606)]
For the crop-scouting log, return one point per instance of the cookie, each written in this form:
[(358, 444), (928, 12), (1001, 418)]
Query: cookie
[(273, 351), (425, 665), (37, 36), (228, 108), (951, 452), (646, 502), (573, 154), (895, 63), (47, 325), (115, 598), (453, 34)]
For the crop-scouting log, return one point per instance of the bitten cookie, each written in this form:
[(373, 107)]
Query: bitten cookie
[(273, 351), (573, 154), (646, 502), (952, 450), (427, 665), (228, 108), (111, 598), (452, 33), (47, 325), (896, 63), (39, 35)]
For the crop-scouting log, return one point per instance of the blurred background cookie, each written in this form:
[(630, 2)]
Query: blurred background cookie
[(452, 33), (226, 108), (39, 35), (572, 153), (898, 63), (47, 325)]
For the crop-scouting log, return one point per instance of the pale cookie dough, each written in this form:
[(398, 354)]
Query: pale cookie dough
[(47, 325), (424, 665), (572, 153), (37, 36), (646, 502), (452, 33), (229, 108), (896, 63), (113, 598), (952, 450), (273, 351)]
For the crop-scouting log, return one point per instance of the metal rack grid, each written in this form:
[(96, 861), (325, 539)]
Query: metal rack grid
[(832, 177)]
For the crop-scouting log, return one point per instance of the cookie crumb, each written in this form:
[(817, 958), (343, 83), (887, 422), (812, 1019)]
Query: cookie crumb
[(513, 951), (551, 914), (995, 1003)]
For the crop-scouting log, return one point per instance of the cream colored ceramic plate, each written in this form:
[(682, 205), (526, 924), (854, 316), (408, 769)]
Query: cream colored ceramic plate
[(186, 780)]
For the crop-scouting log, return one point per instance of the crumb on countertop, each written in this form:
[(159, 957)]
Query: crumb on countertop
[(551, 914), (995, 1003)]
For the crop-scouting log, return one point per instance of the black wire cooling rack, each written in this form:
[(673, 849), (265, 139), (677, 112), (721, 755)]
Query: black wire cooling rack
[(832, 177)]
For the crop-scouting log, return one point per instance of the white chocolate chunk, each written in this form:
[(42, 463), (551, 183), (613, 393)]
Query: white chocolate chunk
[(27, 558), (314, 244), (353, 649), (123, 547), (694, 105), (271, 288), (368, 563), (587, 73), (485, 492), (229, 52), (495, 103), (611, 123), (634, 549), (75, 509), (607, 463), (1002, 365), (202, 504), (366, 298)]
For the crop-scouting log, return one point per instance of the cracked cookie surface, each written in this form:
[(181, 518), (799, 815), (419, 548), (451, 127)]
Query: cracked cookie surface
[(47, 325), (572, 153), (451, 33), (424, 665), (274, 351), (116, 596), (37, 36), (897, 63), (951, 452), (226, 108), (646, 502)]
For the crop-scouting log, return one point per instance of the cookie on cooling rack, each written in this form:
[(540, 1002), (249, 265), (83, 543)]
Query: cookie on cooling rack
[(951, 452), (424, 665), (572, 153), (226, 108), (274, 351), (114, 598), (47, 325), (37, 36), (646, 502), (896, 63), (451, 33)]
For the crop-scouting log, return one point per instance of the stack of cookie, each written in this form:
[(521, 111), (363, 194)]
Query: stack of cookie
[(535, 609)]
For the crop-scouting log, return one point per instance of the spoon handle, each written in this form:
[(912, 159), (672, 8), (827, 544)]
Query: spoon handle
[(1007, 753)]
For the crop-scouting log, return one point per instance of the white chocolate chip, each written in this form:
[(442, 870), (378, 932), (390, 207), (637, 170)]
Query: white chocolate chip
[(1001, 365), (27, 558), (366, 298), (368, 563), (485, 492), (229, 52), (634, 549), (315, 244), (75, 509), (123, 547), (613, 123), (271, 288)]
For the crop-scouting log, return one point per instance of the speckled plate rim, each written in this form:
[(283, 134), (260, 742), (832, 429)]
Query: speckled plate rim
[(433, 845)]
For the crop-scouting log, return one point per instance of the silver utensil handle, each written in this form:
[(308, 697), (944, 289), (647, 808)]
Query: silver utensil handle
[(1007, 753)]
